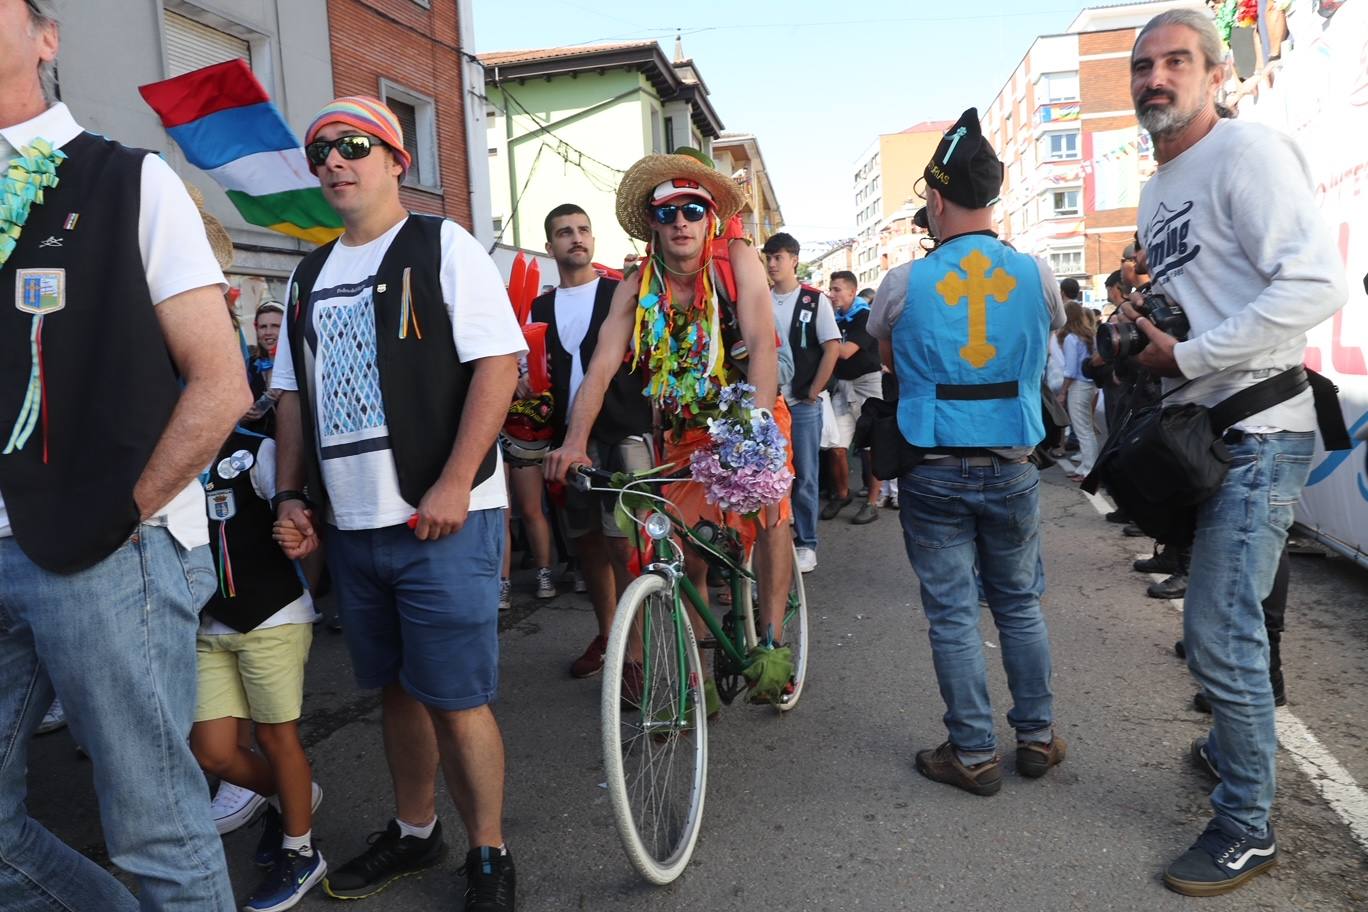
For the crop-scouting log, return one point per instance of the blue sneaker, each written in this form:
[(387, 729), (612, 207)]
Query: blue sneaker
[(273, 831), (1221, 859), (289, 879)]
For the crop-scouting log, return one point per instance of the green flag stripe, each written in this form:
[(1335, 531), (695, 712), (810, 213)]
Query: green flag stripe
[(305, 208)]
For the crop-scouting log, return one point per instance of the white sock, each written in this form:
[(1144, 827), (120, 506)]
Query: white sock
[(301, 844), (421, 832)]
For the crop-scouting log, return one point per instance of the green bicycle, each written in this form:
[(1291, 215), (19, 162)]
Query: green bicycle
[(655, 737)]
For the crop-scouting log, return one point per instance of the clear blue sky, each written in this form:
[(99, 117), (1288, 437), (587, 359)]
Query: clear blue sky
[(815, 82)]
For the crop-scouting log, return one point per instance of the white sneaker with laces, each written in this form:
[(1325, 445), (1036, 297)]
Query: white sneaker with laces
[(546, 586), (53, 719), (234, 807), (505, 595), (807, 560)]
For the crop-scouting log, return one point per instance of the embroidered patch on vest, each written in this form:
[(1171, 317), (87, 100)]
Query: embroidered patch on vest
[(40, 291), (221, 505)]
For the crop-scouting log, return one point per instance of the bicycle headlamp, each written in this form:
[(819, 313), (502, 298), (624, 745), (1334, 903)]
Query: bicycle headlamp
[(658, 526)]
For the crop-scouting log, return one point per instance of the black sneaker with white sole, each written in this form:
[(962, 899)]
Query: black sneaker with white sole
[(1222, 859), (491, 881), (391, 856)]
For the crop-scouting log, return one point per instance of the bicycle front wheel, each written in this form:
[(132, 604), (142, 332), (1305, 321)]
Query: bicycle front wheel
[(655, 737)]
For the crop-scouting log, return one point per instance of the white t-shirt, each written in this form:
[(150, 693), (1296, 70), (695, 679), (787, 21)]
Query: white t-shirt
[(574, 311), (299, 611), (1232, 233), (176, 258), (826, 329), (349, 413)]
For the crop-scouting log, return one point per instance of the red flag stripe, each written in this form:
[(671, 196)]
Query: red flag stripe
[(230, 84)]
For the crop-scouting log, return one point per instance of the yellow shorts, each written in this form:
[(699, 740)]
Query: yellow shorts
[(257, 675)]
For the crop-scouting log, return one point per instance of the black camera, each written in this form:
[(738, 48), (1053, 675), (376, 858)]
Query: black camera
[(1122, 340)]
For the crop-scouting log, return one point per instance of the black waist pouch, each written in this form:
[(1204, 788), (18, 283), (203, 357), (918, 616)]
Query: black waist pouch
[(877, 428)]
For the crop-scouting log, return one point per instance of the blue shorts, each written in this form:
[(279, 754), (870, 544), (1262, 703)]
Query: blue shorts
[(422, 613)]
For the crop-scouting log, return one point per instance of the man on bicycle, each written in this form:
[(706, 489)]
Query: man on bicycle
[(703, 287)]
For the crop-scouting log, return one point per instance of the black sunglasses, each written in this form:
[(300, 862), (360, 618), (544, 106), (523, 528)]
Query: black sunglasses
[(349, 147), (665, 215)]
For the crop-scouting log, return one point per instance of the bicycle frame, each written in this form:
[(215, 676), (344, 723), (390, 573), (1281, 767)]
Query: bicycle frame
[(669, 563)]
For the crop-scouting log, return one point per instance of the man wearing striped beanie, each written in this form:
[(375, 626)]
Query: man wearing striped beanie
[(398, 362)]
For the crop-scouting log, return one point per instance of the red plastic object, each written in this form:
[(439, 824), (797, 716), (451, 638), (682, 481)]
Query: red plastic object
[(531, 287), (515, 280), (537, 375)]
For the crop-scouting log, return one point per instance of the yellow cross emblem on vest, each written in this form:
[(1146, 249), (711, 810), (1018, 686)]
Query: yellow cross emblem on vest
[(976, 289)]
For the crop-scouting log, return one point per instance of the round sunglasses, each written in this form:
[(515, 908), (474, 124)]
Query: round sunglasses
[(349, 147), (665, 215)]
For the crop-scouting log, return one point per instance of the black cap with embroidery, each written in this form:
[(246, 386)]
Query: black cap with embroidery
[(965, 169)]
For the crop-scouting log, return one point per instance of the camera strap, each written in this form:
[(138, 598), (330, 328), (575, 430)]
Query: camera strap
[(1263, 395)]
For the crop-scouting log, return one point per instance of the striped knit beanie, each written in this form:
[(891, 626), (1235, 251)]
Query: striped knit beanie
[(370, 115)]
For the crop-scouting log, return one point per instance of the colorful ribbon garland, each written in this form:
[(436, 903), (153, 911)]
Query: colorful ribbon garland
[(682, 352), (33, 170)]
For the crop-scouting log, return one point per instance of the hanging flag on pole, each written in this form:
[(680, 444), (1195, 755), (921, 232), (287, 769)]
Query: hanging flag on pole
[(226, 124)]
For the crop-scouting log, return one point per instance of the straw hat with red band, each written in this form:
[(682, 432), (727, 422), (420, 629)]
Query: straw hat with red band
[(367, 114), (657, 180)]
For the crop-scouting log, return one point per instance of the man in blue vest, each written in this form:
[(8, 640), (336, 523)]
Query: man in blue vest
[(966, 331)]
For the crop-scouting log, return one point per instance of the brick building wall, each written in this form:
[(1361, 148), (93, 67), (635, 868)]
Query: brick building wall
[(414, 48), (1106, 90)]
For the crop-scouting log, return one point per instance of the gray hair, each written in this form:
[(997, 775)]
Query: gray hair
[(43, 13), (1198, 21)]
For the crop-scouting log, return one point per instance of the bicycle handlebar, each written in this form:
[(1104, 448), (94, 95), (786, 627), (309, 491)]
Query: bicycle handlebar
[(583, 477)]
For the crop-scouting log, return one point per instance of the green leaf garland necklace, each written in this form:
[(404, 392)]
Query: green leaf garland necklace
[(680, 350), (33, 170)]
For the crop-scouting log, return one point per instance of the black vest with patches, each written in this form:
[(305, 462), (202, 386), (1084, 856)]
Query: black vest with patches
[(109, 382), (264, 579), (802, 338), (423, 383), (626, 410)]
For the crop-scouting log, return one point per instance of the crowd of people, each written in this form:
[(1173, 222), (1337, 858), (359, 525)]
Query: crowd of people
[(369, 439)]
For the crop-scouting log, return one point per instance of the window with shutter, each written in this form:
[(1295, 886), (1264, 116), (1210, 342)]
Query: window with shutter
[(417, 115), (191, 45), (408, 122)]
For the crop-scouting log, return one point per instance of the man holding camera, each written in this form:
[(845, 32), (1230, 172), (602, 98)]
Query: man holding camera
[(1251, 279)]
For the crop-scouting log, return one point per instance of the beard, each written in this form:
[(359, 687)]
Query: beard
[(1165, 120)]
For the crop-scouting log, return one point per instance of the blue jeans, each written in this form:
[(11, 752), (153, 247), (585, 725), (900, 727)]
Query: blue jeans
[(117, 642), (1240, 536), (807, 441), (953, 516)]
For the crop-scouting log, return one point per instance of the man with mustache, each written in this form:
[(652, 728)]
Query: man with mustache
[(619, 440), (1252, 279)]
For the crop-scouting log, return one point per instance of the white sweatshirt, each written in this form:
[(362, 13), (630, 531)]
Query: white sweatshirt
[(1232, 233)]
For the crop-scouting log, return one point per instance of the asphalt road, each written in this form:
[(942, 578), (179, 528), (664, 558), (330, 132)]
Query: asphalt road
[(822, 809)]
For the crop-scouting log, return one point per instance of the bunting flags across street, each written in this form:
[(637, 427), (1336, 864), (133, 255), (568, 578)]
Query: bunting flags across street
[(226, 124)]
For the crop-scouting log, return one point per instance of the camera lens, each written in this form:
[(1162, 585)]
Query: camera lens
[(1120, 340)]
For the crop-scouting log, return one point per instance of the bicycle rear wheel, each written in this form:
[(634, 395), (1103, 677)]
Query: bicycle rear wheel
[(795, 632), (655, 753)]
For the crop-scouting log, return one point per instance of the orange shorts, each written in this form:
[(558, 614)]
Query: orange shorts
[(691, 499)]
